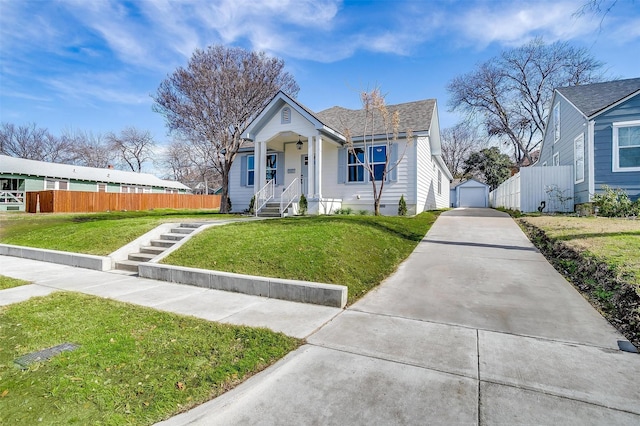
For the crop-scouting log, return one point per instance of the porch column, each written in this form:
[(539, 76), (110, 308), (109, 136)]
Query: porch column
[(259, 165), (318, 167), (311, 169)]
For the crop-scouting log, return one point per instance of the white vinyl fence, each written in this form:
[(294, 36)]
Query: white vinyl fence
[(528, 189)]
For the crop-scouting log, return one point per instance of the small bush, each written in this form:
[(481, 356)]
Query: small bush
[(228, 204), (615, 203), (363, 212), (402, 206), (345, 211), (303, 205), (252, 205)]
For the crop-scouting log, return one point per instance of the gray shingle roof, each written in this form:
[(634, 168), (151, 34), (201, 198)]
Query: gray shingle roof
[(593, 98), (414, 116), (21, 166)]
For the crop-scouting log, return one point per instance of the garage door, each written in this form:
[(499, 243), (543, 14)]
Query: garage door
[(472, 197)]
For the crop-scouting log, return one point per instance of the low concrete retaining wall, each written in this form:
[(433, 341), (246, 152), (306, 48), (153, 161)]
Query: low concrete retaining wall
[(295, 291), (87, 261)]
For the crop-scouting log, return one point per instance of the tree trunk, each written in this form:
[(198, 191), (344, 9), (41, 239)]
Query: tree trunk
[(224, 200)]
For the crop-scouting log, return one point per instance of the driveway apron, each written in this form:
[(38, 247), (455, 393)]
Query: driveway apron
[(475, 327)]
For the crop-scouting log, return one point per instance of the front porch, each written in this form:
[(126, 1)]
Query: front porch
[(12, 194), (282, 171)]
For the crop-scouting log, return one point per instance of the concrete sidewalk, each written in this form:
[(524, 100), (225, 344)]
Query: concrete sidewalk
[(475, 327), (294, 319)]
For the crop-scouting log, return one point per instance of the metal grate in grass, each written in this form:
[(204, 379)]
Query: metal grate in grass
[(45, 354)]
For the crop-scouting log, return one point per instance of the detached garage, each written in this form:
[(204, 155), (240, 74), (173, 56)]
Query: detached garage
[(470, 193)]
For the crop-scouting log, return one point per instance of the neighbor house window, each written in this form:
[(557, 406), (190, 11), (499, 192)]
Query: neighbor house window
[(126, 189), (250, 170), (102, 187), (56, 184), (626, 146), (171, 191), (556, 159), (439, 182), (578, 156), (355, 168), (286, 115), (556, 123)]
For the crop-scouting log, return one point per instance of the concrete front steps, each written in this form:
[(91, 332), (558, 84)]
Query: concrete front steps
[(156, 247), (270, 210)]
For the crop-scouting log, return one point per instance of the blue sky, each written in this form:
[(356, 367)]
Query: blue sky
[(91, 65)]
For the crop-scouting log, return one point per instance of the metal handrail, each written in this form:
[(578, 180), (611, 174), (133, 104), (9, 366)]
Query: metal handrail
[(12, 197), (288, 195), (264, 195)]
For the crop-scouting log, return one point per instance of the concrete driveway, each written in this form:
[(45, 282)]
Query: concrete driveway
[(475, 327)]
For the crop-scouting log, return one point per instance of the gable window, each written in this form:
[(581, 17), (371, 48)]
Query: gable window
[(556, 159), (439, 182), (556, 123), (355, 168), (626, 146), (578, 156), (286, 115)]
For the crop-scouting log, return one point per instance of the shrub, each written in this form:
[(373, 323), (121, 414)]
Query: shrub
[(229, 204), (252, 205), (303, 205), (346, 211), (402, 206), (615, 203), (363, 212)]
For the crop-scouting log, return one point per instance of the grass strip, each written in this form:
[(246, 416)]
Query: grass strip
[(599, 257), (356, 251), (90, 233), (134, 365), (8, 282)]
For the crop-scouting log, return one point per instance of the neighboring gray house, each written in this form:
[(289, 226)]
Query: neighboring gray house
[(294, 151), (470, 193), (19, 176), (596, 129)]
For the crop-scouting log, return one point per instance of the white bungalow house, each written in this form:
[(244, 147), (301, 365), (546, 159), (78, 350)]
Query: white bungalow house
[(290, 150)]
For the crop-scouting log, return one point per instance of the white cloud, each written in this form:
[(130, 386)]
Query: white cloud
[(514, 23)]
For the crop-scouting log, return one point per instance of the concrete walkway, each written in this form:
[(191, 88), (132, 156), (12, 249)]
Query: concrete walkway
[(294, 319), (474, 328)]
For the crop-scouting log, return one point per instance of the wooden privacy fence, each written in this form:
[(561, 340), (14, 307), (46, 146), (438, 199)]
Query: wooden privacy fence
[(77, 202)]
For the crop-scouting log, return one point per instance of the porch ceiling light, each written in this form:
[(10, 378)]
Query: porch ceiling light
[(299, 144)]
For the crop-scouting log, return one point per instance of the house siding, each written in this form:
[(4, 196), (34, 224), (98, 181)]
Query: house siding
[(603, 148), (572, 124)]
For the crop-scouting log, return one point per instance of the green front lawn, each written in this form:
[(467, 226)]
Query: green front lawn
[(90, 233), (356, 251), (134, 365), (8, 282)]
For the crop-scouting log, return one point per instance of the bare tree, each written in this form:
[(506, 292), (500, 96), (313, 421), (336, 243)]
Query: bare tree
[(185, 163), (377, 165), (458, 142), (133, 147), (510, 95), (34, 143), (213, 100), (90, 149)]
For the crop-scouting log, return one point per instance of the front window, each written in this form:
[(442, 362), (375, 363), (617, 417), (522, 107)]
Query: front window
[(250, 170), (272, 167), (355, 168), (626, 146), (378, 160)]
